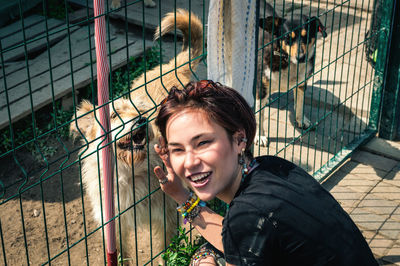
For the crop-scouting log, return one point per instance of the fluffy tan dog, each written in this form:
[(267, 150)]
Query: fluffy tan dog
[(133, 139), (177, 72)]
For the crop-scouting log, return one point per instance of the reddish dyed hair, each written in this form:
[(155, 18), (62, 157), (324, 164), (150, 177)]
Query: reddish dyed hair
[(222, 104)]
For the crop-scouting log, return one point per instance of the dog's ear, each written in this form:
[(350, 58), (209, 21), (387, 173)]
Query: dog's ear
[(85, 124), (319, 26), (271, 23)]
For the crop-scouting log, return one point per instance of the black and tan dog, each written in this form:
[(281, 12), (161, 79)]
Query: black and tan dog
[(285, 61)]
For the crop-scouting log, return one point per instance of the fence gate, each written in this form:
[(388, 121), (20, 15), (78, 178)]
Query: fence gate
[(49, 212), (343, 92)]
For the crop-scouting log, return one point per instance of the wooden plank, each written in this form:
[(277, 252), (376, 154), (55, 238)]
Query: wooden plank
[(35, 38), (9, 68), (62, 77), (59, 55), (17, 26), (151, 15), (61, 65)]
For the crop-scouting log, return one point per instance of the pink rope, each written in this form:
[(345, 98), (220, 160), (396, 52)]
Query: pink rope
[(104, 113)]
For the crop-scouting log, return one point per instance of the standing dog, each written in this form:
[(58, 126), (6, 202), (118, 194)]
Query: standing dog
[(133, 141), (115, 4), (286, 61)]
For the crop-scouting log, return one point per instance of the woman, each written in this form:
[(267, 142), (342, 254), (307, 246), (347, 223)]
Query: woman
[(278, 214)]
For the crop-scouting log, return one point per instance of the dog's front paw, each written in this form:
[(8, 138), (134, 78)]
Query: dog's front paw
[(149, 3), (115, 4), (261, 141), (304, 123)]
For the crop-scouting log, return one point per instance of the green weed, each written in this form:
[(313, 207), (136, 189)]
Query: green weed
[(181, 249)]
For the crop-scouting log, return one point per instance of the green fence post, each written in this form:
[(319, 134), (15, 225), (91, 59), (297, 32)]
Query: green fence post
[(381, 56), (389, 127)]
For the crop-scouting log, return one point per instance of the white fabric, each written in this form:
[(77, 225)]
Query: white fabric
[(231, 44)]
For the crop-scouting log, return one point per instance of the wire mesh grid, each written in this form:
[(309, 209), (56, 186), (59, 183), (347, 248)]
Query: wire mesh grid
[(48, 68)]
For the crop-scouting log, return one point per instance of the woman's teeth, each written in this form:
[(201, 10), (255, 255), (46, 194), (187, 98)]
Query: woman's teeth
[(199, 177)]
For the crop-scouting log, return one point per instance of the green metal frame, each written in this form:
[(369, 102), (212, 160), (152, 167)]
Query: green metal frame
[(329, 146)]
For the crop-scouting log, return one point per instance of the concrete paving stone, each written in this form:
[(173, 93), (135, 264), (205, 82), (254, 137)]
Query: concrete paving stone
[(390, 229), (396, 214), (346, 197), (387, 148), (384, 187), (393, 255), (378, 205), (357, 183), (380, 245), (376, 161), (367, 220), (393, 177), (388, 195), (368, 234), (395, 183), (363, 170)]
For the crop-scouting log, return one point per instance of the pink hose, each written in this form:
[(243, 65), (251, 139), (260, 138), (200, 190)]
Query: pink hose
[(104, 113)]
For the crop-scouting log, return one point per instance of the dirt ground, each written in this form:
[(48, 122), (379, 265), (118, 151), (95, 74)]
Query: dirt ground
[(54, 214)]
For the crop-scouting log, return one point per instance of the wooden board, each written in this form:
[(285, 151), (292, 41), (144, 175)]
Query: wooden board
[(37, 35), (70, 64), (133, 11)]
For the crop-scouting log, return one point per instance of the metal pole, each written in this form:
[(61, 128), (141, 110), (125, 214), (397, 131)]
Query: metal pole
[(104, 113), (389, 127)]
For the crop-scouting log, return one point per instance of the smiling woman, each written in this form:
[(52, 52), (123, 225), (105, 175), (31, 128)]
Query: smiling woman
[(278, 214)]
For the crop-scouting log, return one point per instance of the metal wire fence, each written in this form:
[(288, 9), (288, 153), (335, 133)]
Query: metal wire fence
[(318, 99)]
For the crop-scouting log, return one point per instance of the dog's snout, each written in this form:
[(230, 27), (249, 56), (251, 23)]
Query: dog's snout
[(141, 120), (138, 135)]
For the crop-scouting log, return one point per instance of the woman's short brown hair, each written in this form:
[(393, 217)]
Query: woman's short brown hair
[(222, 104)]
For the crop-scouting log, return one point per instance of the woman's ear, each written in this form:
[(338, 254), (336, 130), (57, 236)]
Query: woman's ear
[(240, 138)]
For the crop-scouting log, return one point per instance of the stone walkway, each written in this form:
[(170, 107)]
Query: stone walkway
[(368, 188)]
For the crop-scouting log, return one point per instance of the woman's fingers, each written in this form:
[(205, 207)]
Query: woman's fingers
[(162, 177)]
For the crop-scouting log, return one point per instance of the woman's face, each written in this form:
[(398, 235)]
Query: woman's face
[(203, 156)]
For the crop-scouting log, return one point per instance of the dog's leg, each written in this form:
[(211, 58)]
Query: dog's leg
[(261, 138), (262, 98), (149, 3), (301, 120), (115, 4)]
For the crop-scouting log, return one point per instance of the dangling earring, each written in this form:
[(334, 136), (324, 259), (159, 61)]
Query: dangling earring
[(242, 162)]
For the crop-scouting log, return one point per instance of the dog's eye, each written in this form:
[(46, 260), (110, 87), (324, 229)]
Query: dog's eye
[(287, 38), (113, 115)]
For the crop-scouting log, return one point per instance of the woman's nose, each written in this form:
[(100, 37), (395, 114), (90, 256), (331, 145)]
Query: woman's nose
[(191, 160)]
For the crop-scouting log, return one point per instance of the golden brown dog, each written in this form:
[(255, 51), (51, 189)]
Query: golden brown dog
[(133, 139)]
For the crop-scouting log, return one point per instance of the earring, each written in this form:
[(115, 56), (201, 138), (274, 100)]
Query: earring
[(242, 162)]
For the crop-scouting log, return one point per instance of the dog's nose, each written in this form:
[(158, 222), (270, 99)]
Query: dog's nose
[(141, 120), (139, 134)]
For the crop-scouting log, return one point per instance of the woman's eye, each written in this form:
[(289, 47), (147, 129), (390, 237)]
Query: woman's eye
[(176, 150), (204, 142)]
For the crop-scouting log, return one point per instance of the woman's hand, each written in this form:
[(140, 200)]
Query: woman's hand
[(170, 183)]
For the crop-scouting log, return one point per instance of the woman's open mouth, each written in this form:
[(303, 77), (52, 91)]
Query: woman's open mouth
[(199, 180)]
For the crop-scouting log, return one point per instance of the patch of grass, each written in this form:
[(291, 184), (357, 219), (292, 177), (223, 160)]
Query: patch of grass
[(24, 134), (181, 249), (53, 9), (123, 77)]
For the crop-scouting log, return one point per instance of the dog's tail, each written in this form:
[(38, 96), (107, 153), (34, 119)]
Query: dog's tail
[(191, 27)]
